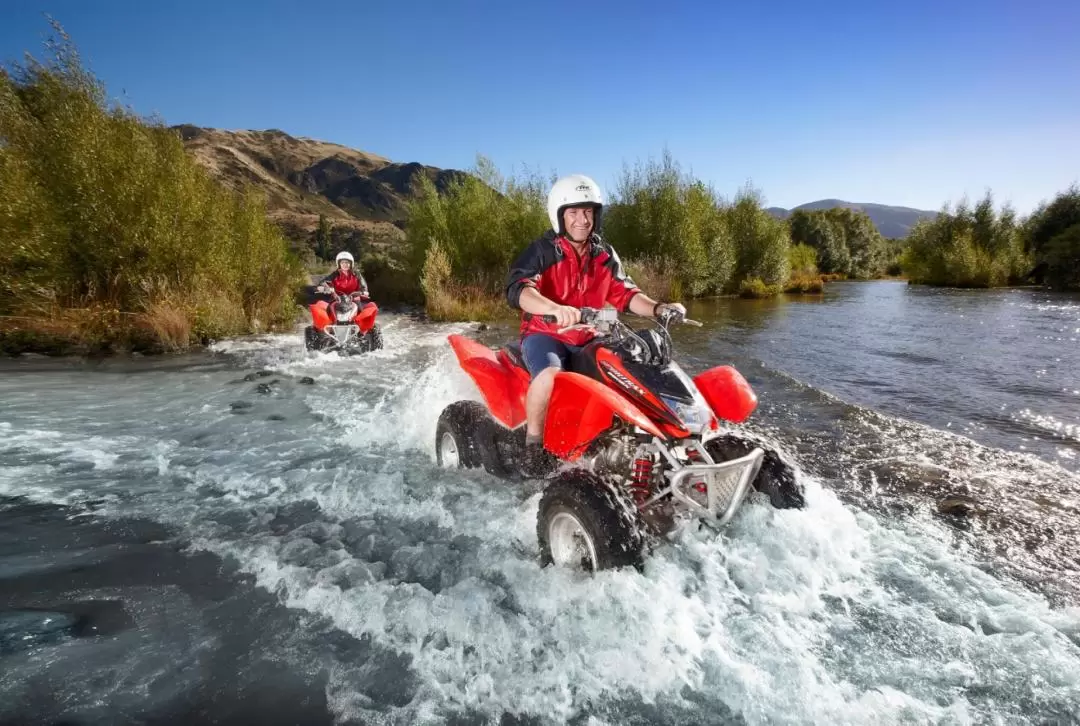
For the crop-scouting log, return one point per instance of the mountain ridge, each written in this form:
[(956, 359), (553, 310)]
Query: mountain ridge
[(363, 195), (892, 221)]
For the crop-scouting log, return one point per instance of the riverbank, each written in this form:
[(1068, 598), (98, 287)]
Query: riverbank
[(100, 332), (124, 334)]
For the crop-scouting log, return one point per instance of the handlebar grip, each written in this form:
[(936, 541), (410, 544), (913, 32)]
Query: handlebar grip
[(549, 318)]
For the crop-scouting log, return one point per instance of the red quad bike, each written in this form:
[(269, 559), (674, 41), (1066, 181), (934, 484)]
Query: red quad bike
[(639, 441), (343, 325)]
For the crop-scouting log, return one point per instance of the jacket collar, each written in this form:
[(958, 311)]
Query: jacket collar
[(594, 248)]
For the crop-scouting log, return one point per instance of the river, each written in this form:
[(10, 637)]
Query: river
[(210, 538)]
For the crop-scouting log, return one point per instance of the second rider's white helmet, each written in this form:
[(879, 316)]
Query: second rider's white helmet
[(573, 191), (344, 256)]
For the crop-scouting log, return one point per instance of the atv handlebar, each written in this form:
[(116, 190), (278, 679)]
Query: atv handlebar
[(591, 316), (328, 290)]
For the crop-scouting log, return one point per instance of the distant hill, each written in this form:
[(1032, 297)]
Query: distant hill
[(893, 222), (362, 194)]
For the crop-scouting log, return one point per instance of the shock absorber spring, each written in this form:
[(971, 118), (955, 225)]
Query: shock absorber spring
[(641, 479), (694, 456)]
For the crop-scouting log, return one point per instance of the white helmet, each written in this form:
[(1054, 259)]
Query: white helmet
[(571, 191), (344, 256)]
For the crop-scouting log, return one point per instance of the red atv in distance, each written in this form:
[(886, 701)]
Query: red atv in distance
[(345, 324), (639, 440)]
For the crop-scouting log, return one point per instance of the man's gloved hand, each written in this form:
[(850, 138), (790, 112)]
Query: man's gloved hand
[(670, 311)]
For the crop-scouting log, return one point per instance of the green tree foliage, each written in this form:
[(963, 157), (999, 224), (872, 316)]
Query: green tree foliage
[(803, 260), (1052, 237), (675, 235), (816, 230), (463, 241), (665, 219), (102, 209), (847, 241), (865, 244), (324, 238), (894, 252), (761, 240), (971, 247)]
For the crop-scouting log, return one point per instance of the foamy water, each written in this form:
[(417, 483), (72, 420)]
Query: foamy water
[(328, 495)]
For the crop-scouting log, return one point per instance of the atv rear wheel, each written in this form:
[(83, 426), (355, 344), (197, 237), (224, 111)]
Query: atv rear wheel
[(582, 523), (455, 435)]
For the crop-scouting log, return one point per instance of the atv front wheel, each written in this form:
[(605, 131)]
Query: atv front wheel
[(374, 336), (776, 477), (584, 524), (311, 338)]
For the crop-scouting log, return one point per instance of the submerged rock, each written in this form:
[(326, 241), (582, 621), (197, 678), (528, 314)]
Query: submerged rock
[(307, 381), (250, 377), (264, 374), (959, 505), (22, 629), (239, 406), (275, 417), (263, 388)]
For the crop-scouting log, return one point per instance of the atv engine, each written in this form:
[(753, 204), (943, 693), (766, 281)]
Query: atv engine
[(613, 455)]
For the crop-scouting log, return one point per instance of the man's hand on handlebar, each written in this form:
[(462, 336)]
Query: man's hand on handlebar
[(670, 312), (564, 316)]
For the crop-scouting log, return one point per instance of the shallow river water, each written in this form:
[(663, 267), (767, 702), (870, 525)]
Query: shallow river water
[(178, 545)]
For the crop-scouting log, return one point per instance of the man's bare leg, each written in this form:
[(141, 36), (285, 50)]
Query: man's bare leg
[(538, 461), (536, 403)]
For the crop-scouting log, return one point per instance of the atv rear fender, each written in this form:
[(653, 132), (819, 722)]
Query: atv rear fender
[(727, 393), (503, 390), (582, 408)]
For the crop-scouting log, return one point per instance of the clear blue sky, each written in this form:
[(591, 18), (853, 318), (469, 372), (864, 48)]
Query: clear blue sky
[(912, 103)]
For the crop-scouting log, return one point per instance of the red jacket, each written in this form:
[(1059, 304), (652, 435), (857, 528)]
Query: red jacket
[(551, 265), (346, 284)]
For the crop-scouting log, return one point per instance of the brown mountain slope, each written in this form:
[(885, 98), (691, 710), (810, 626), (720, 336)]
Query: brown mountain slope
[(362, 194)]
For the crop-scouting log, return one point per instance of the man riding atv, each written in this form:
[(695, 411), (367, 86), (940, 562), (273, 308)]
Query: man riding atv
[(567, 268)]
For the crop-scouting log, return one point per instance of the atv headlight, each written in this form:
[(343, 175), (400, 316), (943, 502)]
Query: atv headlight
[(696, 415)]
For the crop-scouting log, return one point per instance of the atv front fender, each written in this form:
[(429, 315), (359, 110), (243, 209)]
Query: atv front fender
[(320, 314), (366, 317), (582, 408), (727, 393)]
